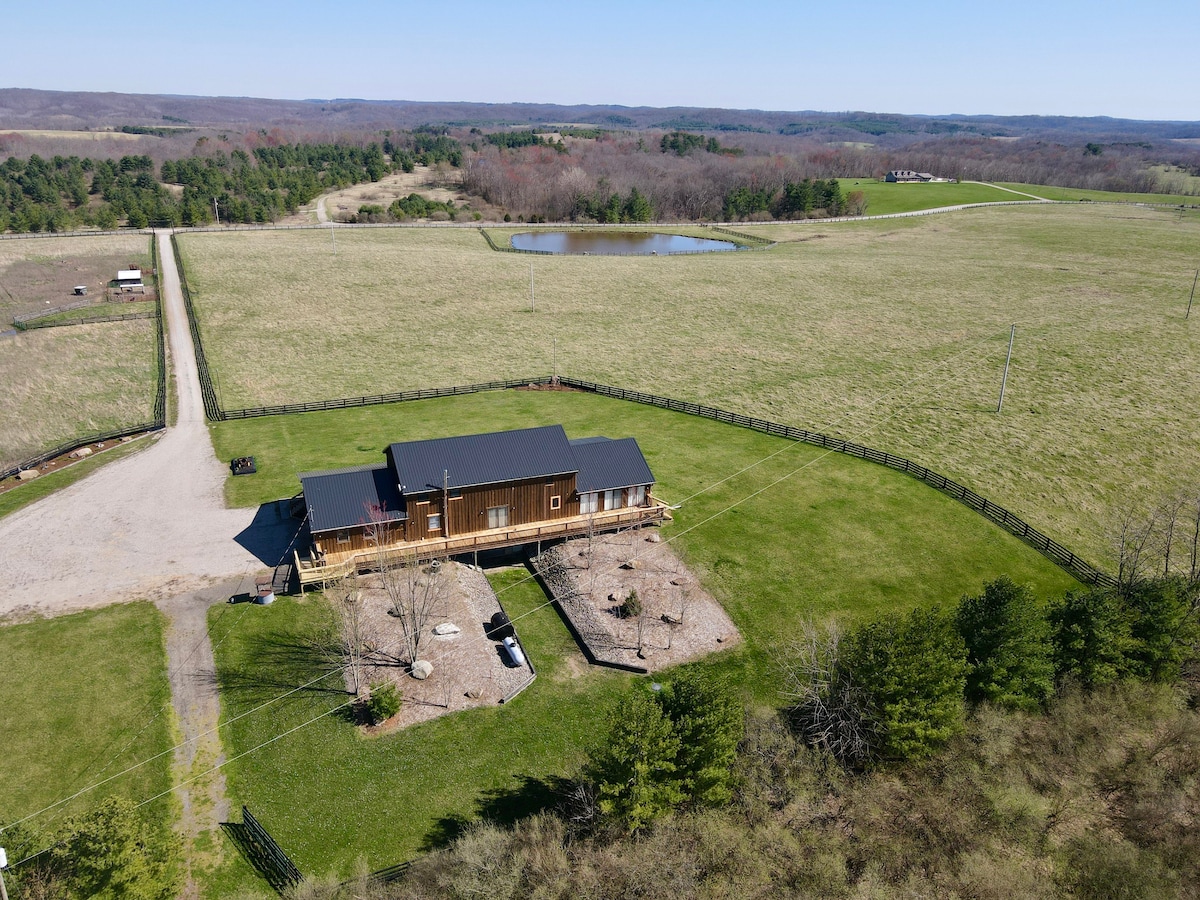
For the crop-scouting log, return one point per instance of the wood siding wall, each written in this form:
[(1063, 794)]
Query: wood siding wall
[(527, 501)]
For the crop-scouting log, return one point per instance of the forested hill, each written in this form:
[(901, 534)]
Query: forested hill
[(27, 109)]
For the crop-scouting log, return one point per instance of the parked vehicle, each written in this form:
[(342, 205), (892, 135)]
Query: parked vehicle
[(514, 651)]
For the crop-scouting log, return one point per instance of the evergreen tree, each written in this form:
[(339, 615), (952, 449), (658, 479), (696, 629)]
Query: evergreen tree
[(1090, 637), (1008, 646), (1163, 627), (634, 770), (911, 671), (709, 722), (111, 853)]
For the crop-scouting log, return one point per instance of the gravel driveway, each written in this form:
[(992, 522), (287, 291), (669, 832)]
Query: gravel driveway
[(151, 525)]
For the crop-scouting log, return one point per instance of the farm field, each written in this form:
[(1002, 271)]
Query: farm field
[(86, 697), (74, 380), (797, 534), (68, 381), (892, 333), (40, 272)]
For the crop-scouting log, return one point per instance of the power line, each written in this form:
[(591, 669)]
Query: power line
[(503, 590)]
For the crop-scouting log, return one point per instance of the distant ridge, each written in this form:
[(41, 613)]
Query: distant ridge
[(32, 109)]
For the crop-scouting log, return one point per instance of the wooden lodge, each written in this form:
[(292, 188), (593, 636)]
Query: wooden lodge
[(451, 496)]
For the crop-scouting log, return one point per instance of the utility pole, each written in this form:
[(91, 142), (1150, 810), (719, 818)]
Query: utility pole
[(532, 300), (1193, 296), (446, 503), (332, 239), (3, 866), (216, 212), (554, 360), (1008, 359)]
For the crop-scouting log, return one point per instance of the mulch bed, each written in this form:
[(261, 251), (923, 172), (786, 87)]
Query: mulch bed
[(469, 668), (592, 580)]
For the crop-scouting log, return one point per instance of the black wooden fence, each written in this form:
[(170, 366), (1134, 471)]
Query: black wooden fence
[(212, 409), (375, 400), (267, 855), (1051, 549), (41, 322)]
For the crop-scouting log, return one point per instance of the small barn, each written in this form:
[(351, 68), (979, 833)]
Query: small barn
[(456, 495), (130, 281)]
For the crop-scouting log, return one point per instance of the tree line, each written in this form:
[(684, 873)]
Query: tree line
[(68, 192)]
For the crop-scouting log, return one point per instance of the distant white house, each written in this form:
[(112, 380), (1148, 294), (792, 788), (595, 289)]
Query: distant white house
[(909, 175)]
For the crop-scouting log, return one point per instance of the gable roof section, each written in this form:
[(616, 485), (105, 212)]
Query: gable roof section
[(606, 465), (341, 498), (479, 459)]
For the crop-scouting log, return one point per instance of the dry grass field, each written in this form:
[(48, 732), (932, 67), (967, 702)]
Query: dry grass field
[(63, 382), (890, 332), (38, 273)]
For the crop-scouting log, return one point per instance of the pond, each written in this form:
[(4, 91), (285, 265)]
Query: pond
[(616, 243)]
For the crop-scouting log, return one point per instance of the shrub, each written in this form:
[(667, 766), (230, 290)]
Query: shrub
[(384, 701)]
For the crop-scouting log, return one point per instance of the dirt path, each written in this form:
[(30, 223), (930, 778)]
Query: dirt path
[(193, 676), (1010, 190), (153, 525)]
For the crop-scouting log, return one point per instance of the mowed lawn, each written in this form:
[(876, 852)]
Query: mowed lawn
[(779, 533), (61, 383), (884, 198), (892, 333), (85, 698)]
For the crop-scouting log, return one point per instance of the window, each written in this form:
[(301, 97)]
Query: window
[(556, 502), (433, 522), (637, 495), (343, 537), (456, 495), (588, 503), (612, 499), (497, 516)]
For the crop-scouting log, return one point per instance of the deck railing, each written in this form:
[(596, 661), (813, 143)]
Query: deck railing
[(336, 565)]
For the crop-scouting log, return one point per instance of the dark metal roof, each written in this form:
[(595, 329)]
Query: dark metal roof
[(477, 459), (605, 465), (341, 498)]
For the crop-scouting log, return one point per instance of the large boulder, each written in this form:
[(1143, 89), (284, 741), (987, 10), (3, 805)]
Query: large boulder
[(422, 669), (446, 628)]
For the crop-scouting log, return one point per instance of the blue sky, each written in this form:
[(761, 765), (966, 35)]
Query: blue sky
[(1056, 57)]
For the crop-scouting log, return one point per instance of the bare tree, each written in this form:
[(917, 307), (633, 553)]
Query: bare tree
[(1133, 540), (1194, 508), (826, 705), (416, 593), (354, 635), (685, 603)]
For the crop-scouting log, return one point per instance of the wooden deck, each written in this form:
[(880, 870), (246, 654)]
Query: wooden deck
[(336, 565)]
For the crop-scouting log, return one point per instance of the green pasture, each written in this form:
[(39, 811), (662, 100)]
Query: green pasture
[(1049, 192), (778, 532), (884, 198), (891, 332), (86, 697)]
